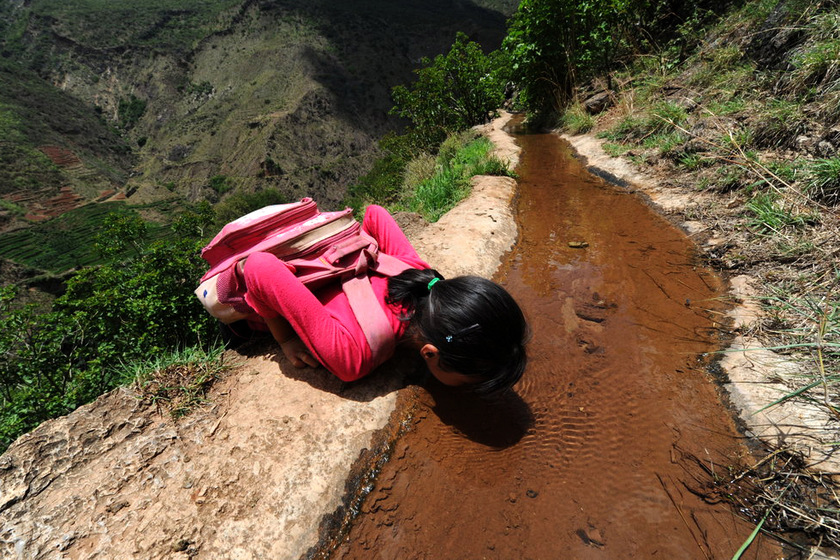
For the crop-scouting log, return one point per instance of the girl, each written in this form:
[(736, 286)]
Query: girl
[(468, 330)]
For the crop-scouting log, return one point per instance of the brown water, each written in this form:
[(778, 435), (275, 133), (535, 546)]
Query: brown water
[(591, 458)]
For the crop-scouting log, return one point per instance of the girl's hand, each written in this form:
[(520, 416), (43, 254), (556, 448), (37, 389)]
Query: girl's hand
[(296, 352)]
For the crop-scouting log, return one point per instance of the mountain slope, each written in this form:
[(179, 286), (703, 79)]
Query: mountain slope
[(290, 95)]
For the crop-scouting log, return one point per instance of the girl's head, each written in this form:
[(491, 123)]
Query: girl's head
[(469, 329)]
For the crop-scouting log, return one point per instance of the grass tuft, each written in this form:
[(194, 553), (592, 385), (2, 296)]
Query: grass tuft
[(824, 180), (770, 216), (178, 380), (460, 158), (576, 120)]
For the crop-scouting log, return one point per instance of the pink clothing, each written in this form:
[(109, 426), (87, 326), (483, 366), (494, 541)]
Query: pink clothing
[(324, 320)]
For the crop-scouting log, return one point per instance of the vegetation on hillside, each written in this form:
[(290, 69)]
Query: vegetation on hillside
[(29, 119), (53, 360), (427, 168)]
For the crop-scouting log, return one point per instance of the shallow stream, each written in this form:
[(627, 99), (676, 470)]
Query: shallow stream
[(617, 419)]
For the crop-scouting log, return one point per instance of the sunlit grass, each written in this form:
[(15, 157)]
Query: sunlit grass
[(179, 380)]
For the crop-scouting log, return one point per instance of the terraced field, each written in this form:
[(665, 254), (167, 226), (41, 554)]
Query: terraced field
[(68, 241)]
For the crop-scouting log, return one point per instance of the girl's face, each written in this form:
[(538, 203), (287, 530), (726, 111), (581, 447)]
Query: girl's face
[(453, 379)]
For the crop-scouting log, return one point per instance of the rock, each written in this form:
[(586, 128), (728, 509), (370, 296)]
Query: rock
[(832, 135), (805, 143), (826, 149), (598, 102)]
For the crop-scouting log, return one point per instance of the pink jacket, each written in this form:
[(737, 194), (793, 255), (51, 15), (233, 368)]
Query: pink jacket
[(324, 320)]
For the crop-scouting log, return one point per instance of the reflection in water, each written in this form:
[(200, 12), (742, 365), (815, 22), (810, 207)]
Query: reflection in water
[(588, 464)]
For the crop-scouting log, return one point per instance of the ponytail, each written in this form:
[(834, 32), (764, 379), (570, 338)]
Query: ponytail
[(411, 288), (477, 327)]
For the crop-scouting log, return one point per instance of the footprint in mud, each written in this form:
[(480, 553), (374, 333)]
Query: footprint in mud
[(591, 537), (594, 311)]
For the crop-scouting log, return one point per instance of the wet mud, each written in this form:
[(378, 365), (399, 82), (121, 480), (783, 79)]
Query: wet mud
[(603, 448)]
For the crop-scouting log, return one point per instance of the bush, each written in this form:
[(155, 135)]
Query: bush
[(452, 93), (53, 362), (220, 184), (130, 110)]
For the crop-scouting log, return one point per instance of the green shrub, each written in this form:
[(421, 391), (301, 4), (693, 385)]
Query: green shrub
[(121, 233), (220, 184), (576, 120), (452, 93), (130, 110), (52, 362)]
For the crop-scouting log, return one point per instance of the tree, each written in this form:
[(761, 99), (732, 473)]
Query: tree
[(553, 44), (122, 232), (454, 92)]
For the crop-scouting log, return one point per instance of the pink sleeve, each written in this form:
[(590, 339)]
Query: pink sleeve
[(273, 290), (382, 227)]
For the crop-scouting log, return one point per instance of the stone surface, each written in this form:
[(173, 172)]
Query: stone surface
[(248, 476), (596, 103), (755, 380)]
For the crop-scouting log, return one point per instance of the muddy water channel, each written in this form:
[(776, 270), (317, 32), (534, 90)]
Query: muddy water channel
[(597, 454)]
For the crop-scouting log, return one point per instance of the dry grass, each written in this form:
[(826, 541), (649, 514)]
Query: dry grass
[(778, 492)]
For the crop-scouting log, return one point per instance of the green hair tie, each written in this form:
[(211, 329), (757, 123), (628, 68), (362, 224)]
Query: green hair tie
[(432, 282)]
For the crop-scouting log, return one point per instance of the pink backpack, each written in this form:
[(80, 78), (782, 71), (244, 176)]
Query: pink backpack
[(321, 247)]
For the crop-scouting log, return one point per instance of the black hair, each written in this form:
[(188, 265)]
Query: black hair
[(477, 327)]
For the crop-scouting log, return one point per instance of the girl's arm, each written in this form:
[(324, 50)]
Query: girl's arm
[(292, 346), (392, 241), (274, 292)]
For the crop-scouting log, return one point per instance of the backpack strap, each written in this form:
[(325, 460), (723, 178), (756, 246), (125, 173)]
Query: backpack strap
[(371, 318), (369, 313)]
